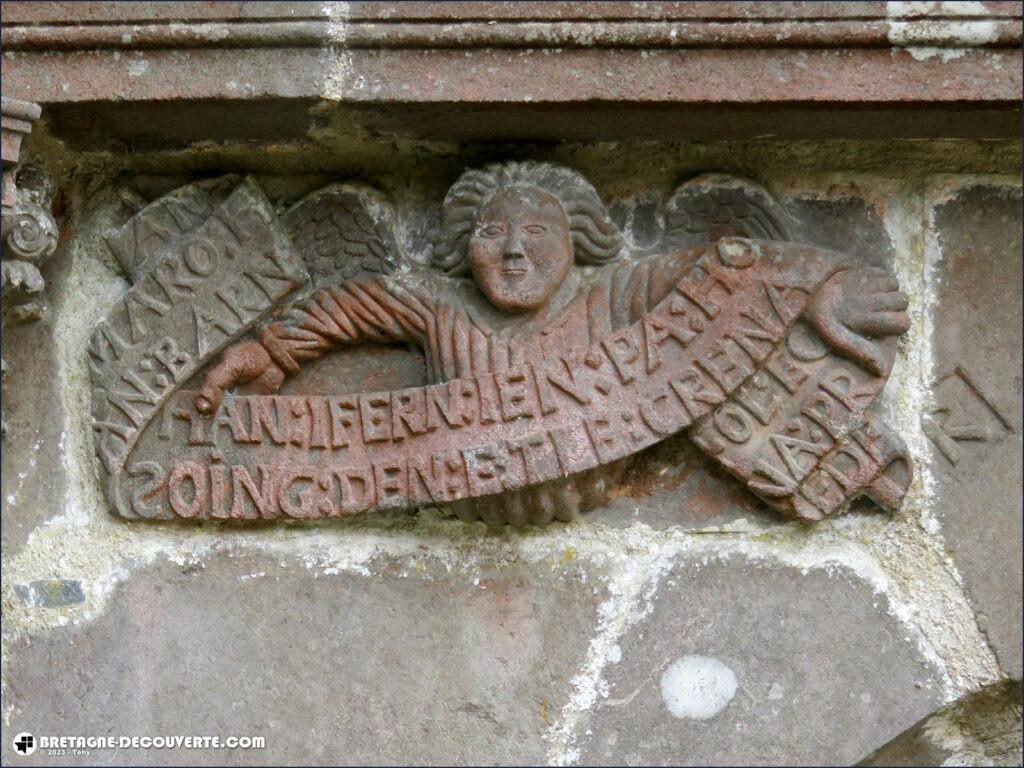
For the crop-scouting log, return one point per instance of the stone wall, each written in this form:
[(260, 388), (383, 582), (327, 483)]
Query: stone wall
[(683, 622)]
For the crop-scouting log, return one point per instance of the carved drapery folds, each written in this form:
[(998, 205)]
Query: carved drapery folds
[(29, 233)]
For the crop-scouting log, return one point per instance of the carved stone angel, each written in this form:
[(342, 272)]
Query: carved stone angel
[(548, 274)]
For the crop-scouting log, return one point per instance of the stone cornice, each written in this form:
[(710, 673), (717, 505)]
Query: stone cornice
[(861, 67), (83, 13), (526, 33)]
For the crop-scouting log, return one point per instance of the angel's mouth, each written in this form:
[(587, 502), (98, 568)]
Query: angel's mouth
[(515, 270)]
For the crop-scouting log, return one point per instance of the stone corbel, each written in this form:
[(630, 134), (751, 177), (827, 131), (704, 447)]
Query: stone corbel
[(29, 233)]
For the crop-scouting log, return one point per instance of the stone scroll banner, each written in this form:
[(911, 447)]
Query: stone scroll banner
[(725, 355), (198, 293), (797, 434)]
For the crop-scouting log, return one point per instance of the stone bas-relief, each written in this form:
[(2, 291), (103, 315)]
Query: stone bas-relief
[(675, 623), (555, 353)]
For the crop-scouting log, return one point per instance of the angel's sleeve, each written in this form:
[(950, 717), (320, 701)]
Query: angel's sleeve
[(637, 288), (356, 311), (700, 211), (345, 234)]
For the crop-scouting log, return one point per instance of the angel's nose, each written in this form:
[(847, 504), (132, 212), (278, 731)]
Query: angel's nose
[(514, 249)]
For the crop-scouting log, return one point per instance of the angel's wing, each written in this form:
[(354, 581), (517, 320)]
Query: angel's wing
[(344, 231), (712, 206)]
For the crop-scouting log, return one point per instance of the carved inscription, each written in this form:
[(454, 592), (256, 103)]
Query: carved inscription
[(768, 353), (791, 430), (195, 300), (164, 224), (273, 456), (963, 414)]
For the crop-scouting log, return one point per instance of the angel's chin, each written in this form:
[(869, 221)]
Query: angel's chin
[(515, 305)]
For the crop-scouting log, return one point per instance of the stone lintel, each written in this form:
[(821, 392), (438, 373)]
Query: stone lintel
[(829, 70)]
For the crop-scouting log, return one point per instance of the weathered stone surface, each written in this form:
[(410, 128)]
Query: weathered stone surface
[(850, 222), (674, 484), (976, 426), (761, 664), (33, 476), (983, 728), (410, 662), (27, 229)]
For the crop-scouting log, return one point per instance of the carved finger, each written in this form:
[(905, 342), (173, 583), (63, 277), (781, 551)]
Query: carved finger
[(892, 301), (480, 509), (857, 348), (220, 378), (490, 509), (567, 502), (463, 510), (592, 488), (881, 324), (239, 364), (882, 282), (861, 306)]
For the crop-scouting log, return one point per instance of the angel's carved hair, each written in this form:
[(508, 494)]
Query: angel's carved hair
[(595, 239)]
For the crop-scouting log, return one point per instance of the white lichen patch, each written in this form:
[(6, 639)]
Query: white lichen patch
[(697, 687), (75, 320), (946, 31), (907, 395), (211, 32), (138, 66), (336, 58)]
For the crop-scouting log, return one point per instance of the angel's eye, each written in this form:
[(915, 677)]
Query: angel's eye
[(489, 230), (535, 229)]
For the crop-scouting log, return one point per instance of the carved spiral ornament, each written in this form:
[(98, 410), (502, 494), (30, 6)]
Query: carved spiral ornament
[(32, 235)]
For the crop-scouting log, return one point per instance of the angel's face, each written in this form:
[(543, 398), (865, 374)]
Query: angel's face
[(520, 251)]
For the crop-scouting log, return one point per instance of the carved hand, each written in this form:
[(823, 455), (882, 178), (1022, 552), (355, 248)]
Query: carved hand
[(857, 307), (245, 363)]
